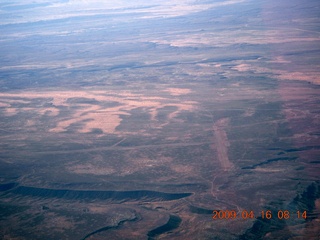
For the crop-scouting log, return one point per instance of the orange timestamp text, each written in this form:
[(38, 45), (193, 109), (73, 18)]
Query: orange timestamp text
[(265, 214)]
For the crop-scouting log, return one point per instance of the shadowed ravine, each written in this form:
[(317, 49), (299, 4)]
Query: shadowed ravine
[(122, 196), (105, 229), (173, 223)]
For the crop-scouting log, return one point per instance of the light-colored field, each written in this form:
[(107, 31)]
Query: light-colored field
[(285, 74), (178, 91), (94, 114), (222, 143)]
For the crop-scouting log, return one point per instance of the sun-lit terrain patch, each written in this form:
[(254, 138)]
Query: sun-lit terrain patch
[(178, 91), (222, 143), (181, 119), (94, 115)]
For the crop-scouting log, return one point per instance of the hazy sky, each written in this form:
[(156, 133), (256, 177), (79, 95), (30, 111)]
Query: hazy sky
[(33, 11)]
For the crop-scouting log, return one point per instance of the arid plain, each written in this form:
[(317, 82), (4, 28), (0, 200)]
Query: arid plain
[(142, 121)]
